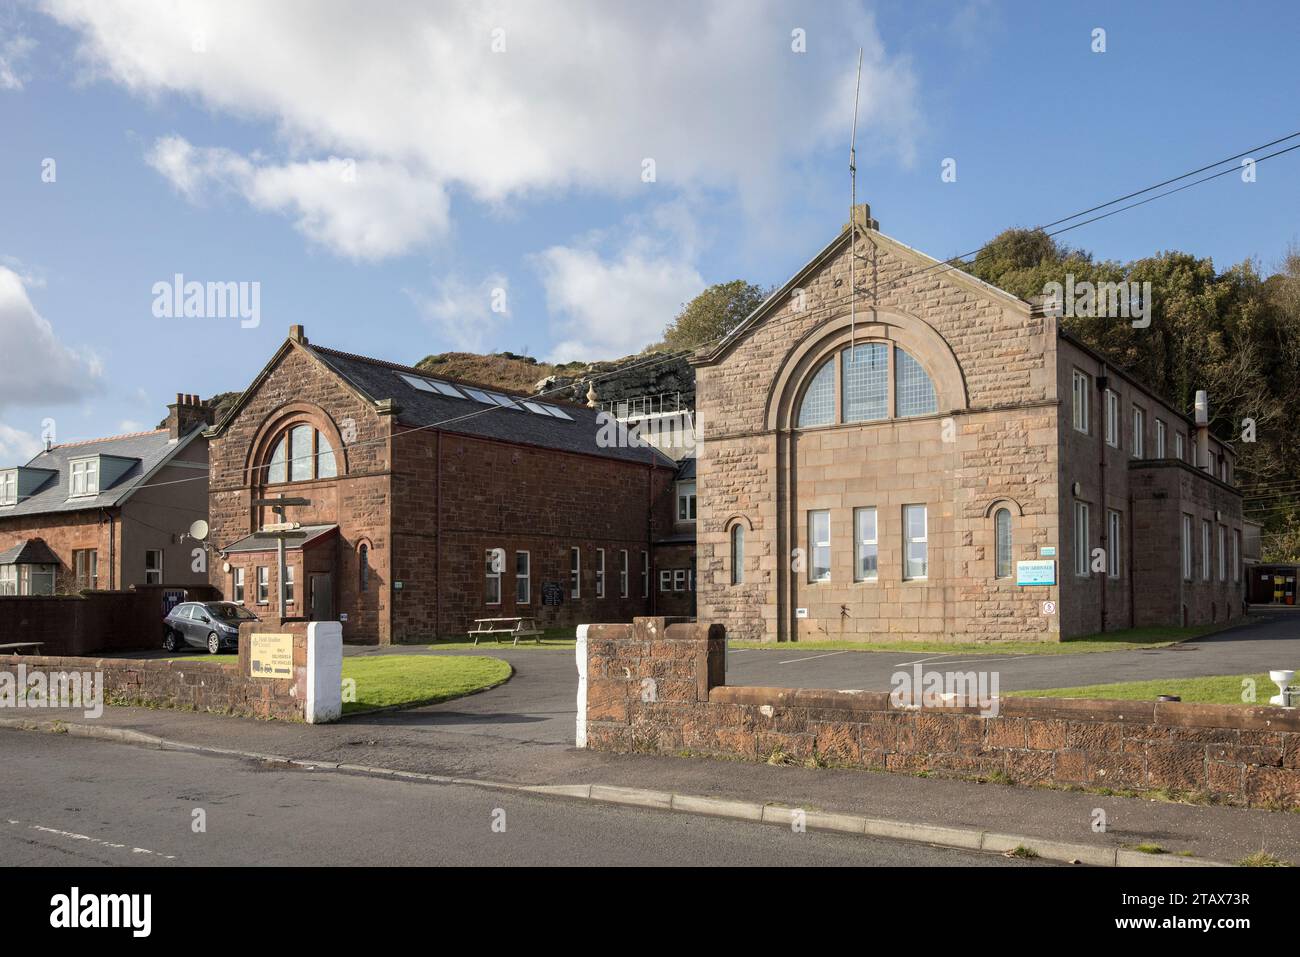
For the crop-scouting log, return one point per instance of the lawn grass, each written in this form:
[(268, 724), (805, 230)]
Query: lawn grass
[(1216, 689), (385, 681), (1134, 639)]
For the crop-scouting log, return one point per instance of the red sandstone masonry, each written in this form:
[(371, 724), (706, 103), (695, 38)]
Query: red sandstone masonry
[(1251, 755)]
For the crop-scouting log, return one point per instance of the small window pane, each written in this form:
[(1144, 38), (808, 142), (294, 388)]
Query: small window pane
[(1002, 546), (326, 466), (913, 392), (279, 457), (819, 546), (865, 376), (868, 550), (737, 554), (818, 406), (300, 453), (918, 548)]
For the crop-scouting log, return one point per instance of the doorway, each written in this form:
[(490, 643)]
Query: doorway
[(322, 598)]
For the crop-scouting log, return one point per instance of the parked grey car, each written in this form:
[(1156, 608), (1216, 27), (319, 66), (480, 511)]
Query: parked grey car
[(213, 625)]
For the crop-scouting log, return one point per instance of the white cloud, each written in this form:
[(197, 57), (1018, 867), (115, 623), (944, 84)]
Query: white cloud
[(36, 369), (583, 92), (466, 314), (13, 52), (361, 210), (610, 305), (16, 446)]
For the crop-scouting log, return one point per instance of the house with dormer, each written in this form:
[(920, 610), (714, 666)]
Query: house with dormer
[(107, 513)]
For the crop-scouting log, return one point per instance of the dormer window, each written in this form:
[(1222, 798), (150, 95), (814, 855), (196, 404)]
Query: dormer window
[(9, 487), (83, 477), (301, 454)]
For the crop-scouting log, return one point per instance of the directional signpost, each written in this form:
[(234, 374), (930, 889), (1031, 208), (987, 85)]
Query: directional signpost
[(281, 531)]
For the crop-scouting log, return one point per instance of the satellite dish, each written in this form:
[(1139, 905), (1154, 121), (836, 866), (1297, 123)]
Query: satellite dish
[(199, 530)]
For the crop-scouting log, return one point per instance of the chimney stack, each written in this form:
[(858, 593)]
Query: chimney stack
[(298, 334), (1203, 431), (862, 215), (185, 414)]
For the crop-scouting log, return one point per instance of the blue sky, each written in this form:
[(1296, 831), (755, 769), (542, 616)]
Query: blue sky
[(381, 172)]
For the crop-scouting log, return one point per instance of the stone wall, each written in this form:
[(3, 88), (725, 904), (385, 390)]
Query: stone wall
[(659, 688)]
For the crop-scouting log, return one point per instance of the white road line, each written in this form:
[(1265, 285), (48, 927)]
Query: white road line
[(949, 660), (921, 661), (72, 835), (828, 654)]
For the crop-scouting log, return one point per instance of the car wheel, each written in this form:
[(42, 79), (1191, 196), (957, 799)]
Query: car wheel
[(214, 643), (169, 641)]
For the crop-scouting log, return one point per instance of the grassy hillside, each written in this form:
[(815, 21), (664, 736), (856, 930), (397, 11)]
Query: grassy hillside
[(502, 369)]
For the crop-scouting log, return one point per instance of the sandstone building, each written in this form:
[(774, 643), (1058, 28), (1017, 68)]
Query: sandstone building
[(933, 458), (433, 502)]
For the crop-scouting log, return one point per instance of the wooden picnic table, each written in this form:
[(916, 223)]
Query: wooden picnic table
[(517, 628), (18, 647)]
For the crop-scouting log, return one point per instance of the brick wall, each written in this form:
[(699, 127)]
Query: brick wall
[(64, 532), (658, 688), (95, 621)]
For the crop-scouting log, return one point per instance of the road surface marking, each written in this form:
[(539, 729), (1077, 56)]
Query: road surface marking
[(811, 657), (57, 832)]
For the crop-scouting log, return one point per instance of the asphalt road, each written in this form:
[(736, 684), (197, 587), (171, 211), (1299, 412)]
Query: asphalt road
[(73, 801)]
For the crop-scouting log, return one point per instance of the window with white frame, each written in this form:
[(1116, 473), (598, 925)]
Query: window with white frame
[(83, 477), (865, 386), (623, 573), (679, 579), (263, 585), (600, 573), (1081, 397), (8, 579), (1081, 550), (36, 579), (1002, 543), (865, 566), (288, 584), (737, 554), (492, 576), (1178, 446), (1139, 432), (819, 546), (665, 579), (1223, 553), (1205, 550), (1112, 418), (237, 588), (1236, 555), (301, 454), (9, 487), (685, 501), (818, 405), (153, 566), (1161, 432), (1112, 543), (575, 572), (916, 557), (85, 567), (1187, 547), (645, 574), (523, 578)]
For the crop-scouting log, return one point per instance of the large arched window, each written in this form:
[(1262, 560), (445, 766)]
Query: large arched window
[(737, 554), (302, 453), (869, 373), (1002, 543)]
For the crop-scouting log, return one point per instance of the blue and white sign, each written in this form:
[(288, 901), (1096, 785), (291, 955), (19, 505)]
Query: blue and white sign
[(1036, 573), (1047, 551)]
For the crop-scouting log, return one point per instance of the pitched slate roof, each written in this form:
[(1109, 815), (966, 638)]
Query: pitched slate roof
[(34, 551), (152, 449), (379, 380)]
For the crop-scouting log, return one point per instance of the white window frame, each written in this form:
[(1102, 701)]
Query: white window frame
[(909, 540), (1205, 549), (83, 477), (575, 572), (864, 545), (91, 575), (263, 585), (1113, 526), (8, 579), (1179, 451), (665, 579), (491, 578), (685, 501), (1223, 553), (1112, 419), (1082, 553), (288, 584), (600, 573), (153, 576), (1139, 432), (645, 574), (679, 579), (237, 584), (1162, 441), (816, 545), (1189, 566), (525, 580), (624, 574), (9, 487), (1082, 398), (1236, 555)]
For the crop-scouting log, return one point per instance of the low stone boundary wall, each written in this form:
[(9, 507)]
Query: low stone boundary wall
[(653, 687), (313, 694)]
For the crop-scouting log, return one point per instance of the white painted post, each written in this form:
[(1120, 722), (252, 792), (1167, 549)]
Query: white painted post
[(580, 652), (324, 672)]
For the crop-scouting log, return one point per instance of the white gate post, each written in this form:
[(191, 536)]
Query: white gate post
[(580, 652), (324, 672)]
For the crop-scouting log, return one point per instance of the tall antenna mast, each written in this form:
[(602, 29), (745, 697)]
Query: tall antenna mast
[(853, 219)]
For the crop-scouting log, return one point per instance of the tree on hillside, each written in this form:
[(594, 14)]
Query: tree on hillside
[(712, 314)]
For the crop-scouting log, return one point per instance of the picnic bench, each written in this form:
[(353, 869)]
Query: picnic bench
[(510, 627), (22, 647)]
